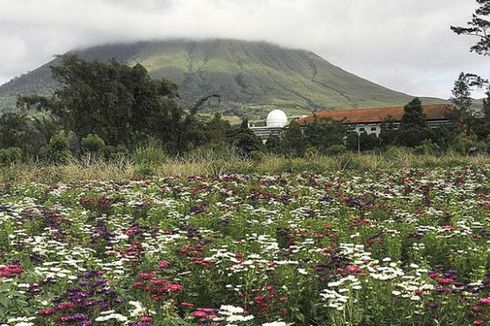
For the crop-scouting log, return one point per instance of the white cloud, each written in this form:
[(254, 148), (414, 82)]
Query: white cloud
[(405, 45)]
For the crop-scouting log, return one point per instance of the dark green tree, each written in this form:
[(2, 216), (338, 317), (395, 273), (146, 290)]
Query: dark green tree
[(293, 140), (245, 141), (324, 133), (121, 104), (413, 116), (413, 126), (460, 115), (14, 130), (478, 26)]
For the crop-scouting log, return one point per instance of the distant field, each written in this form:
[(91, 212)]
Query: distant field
[(324, 241)]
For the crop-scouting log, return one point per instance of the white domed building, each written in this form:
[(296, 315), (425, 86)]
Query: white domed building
[(276, 119)]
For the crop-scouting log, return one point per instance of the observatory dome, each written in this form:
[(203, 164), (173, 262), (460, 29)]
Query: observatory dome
[(276, 118)]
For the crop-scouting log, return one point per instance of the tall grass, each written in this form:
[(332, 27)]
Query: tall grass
[(214, 163)]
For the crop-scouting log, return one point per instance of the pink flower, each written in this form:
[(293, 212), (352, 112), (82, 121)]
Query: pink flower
[(485, 300), (175, 287), (478, 322), (164, 264)]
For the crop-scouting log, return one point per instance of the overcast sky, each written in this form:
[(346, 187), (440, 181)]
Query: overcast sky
[(402, 44)]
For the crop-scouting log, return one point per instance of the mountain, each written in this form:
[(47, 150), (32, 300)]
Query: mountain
[(249, 76)]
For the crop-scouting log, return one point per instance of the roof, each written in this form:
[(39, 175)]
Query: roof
[(377, 115)]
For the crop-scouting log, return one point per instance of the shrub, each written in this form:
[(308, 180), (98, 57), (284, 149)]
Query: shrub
[(151, 153), (427, 147), (10, 155), (336, 150), (57, 150), (93, 144)]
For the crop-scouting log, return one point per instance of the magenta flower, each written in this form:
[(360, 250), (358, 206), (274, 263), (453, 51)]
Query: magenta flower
[(485, 300), (164, 264)]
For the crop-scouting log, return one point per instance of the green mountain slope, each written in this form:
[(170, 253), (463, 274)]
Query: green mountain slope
[(246, 74)]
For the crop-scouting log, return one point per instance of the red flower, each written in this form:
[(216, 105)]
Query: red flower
[(65, 306), (137, 285), (147, 276), (478, 322), (146, 319), (445, 281), (419, 292), (199, 314), (10, 270), (283, 299), (434, 275), (477, 309), (187, 305), (46, 312), (259, 299), (449, 228)]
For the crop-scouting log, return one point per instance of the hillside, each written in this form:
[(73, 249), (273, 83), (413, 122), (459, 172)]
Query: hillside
[(248, 75)]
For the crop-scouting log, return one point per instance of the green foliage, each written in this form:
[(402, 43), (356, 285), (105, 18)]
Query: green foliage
[(93, 144), (336, 149), (323, 134), (152, 153), (293, 140), (413, 116), (464, 145), (479, 26), (362, 142), (427, 147), (119, 103), (245, 141), (10, 155), (57, 151)]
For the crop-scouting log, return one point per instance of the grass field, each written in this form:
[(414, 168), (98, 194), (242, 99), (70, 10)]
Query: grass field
[(348, 240)]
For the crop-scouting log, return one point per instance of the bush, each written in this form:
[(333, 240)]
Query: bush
[(152, 153), (464, 145), (93, 144), (114, 153), (336, 150), (57, 150), (427, 147), (10, 155)]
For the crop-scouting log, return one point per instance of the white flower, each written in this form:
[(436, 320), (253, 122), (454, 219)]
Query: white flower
[(117, 317), (302, 271)]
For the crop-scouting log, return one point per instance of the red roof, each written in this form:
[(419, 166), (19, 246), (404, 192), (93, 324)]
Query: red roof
[(377, 115)]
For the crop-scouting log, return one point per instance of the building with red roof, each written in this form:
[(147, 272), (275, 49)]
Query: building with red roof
[(370, 120)]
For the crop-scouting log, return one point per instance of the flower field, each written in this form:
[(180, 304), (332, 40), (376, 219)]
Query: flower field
[(410, 247)]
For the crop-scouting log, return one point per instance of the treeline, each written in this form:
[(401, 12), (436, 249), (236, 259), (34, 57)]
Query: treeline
[(110, 110)]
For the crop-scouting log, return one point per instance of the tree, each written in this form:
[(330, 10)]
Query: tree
[(479, 26), (294, 141), (413, 126), (324, 133), (245, 141), (460, 115), (413, 116), (121, 104)]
